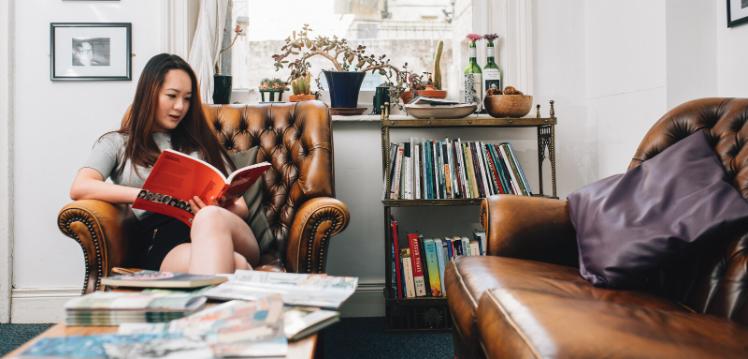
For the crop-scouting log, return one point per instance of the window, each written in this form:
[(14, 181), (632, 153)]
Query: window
[(404, 30)]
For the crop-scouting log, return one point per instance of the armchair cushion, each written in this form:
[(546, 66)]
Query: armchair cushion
[(253, 197), (654, 215)]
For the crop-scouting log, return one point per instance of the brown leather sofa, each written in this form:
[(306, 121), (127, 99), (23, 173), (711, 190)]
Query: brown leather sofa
[(527, 299), (298, 198)]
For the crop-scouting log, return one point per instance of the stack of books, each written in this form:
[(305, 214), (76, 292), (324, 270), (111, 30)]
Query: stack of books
[(115, 308)]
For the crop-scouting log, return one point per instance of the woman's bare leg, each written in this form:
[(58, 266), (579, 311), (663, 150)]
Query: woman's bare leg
[(178, 260), (216, 234)]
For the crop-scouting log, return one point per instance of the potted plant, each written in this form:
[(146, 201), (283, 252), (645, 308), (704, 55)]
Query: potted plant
[(433, 87), (272, 87), (221, 80), (302, 89), (350, 64)]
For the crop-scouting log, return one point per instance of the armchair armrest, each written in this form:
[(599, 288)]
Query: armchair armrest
[(97, 227), (529, 228), (316, 221)]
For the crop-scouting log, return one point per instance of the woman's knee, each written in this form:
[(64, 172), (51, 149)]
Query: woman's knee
[(240, 262), (211, 216)]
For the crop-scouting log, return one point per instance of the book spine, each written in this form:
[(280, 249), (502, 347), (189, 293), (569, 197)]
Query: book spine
[(481, 237), (499, 173), (408, 270), (469, 170), (511, 169), (417, 264), (407, 176), (396, 257), (441, 261), (449, 192), (435, 167), (395, 188), (482, 166), (520, 170), (495, 182), (476, 170), (432, 264), (474, 248), (417, 171), (424, 265), (504, 171), (463, 173), (392, 157)]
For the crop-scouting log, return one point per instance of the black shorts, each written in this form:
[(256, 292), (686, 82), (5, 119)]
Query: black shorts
[(160, 234)]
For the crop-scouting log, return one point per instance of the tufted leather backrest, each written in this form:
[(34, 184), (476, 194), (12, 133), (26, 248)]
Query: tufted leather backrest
[(296, 138), (718, 283)]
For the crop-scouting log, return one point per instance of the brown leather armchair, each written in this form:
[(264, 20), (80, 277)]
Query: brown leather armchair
[(298, 198), (527, 299)]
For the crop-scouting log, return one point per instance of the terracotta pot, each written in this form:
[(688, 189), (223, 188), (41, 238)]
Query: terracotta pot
[(406, 96), (432, 93), (508, 105), (302, 97)]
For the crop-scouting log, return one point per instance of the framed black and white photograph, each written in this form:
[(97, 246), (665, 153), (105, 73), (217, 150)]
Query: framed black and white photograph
[(737, 12), (90, 51)]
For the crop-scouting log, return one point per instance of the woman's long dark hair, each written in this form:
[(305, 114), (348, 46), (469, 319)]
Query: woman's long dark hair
[(192, 133)]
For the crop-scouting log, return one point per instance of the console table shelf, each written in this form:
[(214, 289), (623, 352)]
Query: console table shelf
[(432, 313)]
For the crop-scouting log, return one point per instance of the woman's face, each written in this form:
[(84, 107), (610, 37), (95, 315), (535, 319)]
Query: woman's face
[(173, 100)]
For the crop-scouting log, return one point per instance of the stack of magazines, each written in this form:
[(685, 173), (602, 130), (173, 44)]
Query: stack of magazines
[(115, 308), (316, 290)]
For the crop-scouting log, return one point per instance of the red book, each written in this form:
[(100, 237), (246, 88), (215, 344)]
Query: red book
[(396, 250), (176, 178), (415, 257)]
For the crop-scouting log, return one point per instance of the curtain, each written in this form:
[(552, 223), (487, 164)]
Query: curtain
[(206, 44)]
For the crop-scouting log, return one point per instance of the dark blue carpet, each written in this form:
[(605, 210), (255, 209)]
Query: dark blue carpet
[(358, 338), (13, 335)]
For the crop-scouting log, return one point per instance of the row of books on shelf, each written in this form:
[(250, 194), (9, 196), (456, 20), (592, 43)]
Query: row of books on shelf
[(452, 169), (418, 266)]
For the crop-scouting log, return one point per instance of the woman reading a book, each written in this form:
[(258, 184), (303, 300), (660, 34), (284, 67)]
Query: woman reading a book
[(167, 113)]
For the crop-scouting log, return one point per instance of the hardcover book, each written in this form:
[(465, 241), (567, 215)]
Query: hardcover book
[(176, 178)]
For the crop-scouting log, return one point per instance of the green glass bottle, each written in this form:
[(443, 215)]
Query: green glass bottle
[(473, 79), (493, 77)]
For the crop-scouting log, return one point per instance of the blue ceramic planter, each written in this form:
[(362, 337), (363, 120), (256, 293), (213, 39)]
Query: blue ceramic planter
[(344, 87)]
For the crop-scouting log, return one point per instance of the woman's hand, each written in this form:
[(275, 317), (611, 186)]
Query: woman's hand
[(196, 204)]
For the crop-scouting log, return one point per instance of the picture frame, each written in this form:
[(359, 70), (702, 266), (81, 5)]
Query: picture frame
[(737, 12), (90, 51)]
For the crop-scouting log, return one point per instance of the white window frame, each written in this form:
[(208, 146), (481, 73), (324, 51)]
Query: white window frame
[(512, 20)]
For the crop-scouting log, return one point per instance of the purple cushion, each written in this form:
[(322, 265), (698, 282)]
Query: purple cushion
[(630, 224)]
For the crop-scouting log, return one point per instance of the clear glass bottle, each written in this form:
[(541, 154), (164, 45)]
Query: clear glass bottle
[(473, 79), (493, 77)]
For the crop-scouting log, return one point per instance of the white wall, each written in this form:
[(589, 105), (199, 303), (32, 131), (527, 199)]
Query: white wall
[(691, 49), (732, 56), (55, 125), (626, 78)]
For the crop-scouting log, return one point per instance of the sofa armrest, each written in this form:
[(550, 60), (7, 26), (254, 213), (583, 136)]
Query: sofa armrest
[(529, 228), (316, 221), (97, 227)]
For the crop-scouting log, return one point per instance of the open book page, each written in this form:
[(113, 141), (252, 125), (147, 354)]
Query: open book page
[(176, 178), (240, 180), (317, 290)]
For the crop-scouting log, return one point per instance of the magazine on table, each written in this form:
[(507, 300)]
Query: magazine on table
[(176, 178), (236, 328), (300, 322), (315, 290), (155, 279)]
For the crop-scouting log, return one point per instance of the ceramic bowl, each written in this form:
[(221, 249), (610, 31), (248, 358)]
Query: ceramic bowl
[(508, 105), (437, 112)]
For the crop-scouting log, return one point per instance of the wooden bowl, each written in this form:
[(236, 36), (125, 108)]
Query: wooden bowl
[(508, 105)]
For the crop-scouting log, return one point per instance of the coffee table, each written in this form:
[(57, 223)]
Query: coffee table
[(303, 348)]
